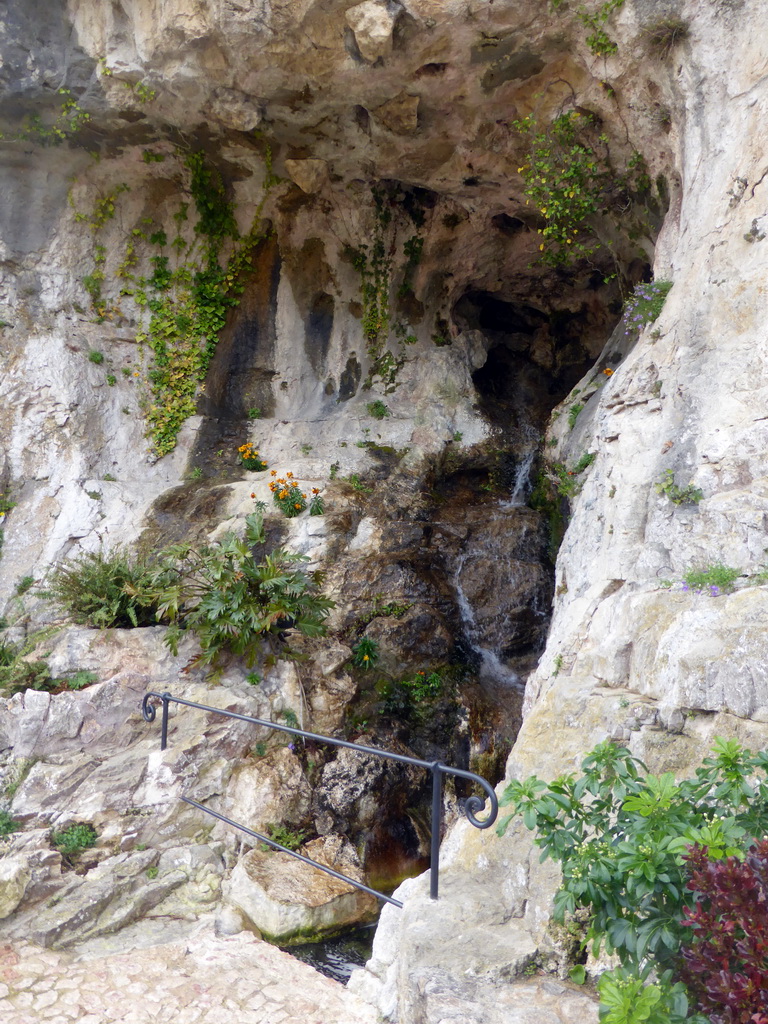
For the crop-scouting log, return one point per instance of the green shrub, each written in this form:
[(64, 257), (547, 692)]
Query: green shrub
[(104, 589), (290, 718), (565, 180), (377, 409), (414, 696), (221, 593), (568, 483), (96, 357), (645, 304), (714, 578), (285, 836), (7, 824), (365, 653), (584, 461), (73, 840), (24, 584), (81, 679), (234, 603), (689, 495), (664, 34), (598, 40), (573, 413), (621, 835), (356, 483), (17, 674)]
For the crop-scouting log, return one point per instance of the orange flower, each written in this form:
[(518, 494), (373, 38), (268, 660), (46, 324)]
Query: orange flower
[(283, 494), (297, 505), (289, 474), (608, 373), (273, 472), (315, 490), (252, 494)]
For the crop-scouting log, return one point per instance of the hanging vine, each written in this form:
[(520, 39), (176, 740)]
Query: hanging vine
[(185, 290), (375, 263)]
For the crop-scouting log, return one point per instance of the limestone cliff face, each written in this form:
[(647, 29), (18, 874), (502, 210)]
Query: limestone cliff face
[(421, 98), (664, 670), (417, 99)]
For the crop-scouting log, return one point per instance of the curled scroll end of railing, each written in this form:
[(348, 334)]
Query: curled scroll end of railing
[(148, 711), (473, 804)]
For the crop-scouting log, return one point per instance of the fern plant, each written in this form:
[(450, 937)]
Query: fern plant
[(104, 589), (234, 602)]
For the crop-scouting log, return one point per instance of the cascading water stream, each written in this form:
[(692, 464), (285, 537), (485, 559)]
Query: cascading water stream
[(521, 486), (528, 449), (491, 667)]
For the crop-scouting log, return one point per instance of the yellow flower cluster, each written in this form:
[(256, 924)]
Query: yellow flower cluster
[(250, 457), (290, 499), (287, 494)]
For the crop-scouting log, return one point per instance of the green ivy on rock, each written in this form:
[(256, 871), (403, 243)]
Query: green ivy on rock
[(186, 290)]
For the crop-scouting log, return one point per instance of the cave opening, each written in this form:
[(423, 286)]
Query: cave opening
[(535, 354)]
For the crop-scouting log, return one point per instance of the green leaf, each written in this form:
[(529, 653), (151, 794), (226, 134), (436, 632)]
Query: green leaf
[(503, 825)]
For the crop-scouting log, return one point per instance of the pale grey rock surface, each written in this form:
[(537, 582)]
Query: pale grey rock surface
[(14, 878)]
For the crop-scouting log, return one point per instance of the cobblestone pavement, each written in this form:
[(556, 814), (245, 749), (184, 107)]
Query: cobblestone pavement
[(204, 980)]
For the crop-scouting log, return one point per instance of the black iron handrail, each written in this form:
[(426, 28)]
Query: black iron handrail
[(471, 805)]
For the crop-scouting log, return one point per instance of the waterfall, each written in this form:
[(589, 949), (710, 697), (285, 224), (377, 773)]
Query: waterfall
[(521, 486), (527, 450), (491, 666)]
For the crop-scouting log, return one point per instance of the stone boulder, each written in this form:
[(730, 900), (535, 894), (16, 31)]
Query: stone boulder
[(292, 902), (309, 175), (355, 788), (400, 115), (271, 789), (373, 24), (14, 878)]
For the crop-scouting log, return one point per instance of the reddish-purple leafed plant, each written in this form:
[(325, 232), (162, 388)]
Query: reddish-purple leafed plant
[(726, 957)]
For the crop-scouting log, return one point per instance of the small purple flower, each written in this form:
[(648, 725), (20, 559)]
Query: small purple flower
[(714, 591), (291, 747), (686, 587)]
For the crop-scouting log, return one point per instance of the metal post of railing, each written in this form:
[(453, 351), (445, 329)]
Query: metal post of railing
[(437, 821), (164, 724)]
